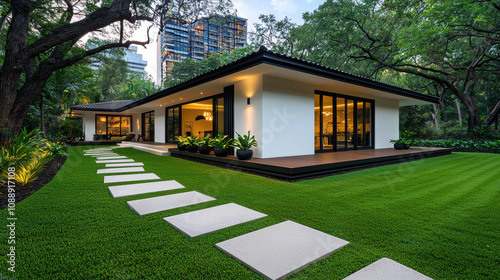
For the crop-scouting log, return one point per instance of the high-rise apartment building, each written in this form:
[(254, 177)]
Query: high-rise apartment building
[(134, 59), (179, 41)]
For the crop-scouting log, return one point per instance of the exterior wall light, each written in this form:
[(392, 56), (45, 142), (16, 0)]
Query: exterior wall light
[(248, 101)]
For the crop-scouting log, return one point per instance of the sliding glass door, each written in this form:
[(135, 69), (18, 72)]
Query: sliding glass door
[(342, 122), (148, 126)]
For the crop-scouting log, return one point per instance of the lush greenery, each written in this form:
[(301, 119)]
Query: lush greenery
[(205, 141), (461, 145), (190, 68), (28, 153), (444, 48), (405, 138), (222, 141), (40, 38), (245, 142), (438, 216)]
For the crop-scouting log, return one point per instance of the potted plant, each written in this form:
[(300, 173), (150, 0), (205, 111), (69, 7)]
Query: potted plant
[(244, 144), (221, 145), (404, 141), (192, 143), (180, 143), (204, 145)]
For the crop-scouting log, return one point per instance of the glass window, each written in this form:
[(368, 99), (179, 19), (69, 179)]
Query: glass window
[(328, 126), (220, 115), (350, 124), (341, 123), (317, 125)]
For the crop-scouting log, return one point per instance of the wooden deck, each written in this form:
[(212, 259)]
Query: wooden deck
[(297, 167)]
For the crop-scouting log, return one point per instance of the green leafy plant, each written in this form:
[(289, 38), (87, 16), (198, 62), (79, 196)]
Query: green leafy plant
[(180, 140), (245, 142), (205, 141), (191, 140), (222, 141), (405, 138)]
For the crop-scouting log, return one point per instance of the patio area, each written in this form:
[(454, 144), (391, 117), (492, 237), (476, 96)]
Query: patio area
[(298, 167)]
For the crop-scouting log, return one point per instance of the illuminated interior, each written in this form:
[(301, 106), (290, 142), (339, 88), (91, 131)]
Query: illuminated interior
[(111, 125), (199, 118), (342, 123)]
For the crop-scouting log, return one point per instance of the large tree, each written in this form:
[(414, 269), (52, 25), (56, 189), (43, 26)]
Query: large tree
[(453, 44), (40, 37)]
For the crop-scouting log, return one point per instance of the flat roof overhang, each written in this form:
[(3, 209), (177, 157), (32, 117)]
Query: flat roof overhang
[(274, 65)]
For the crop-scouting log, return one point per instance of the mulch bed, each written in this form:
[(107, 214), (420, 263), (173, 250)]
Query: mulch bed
[(48, 173)]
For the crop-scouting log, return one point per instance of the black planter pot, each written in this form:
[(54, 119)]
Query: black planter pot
[(244, 155), (205, 150), (401, 146), (192, 148), (182, 147), (221, 152)]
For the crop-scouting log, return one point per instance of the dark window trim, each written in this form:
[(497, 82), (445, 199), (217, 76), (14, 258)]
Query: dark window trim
[(143, 127), (106, 115), (356, 100)]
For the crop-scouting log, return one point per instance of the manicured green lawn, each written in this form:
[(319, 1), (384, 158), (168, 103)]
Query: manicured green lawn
[(439, 216)]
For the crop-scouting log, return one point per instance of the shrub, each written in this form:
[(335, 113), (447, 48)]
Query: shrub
[(462, 145)]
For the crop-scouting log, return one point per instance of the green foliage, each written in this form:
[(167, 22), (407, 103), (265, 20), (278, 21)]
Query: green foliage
[(191, 140), (205, 141), (222, 141), (28, 153), (189, 68), (245, 142), (462, 145), (405, 137), (429, 213), (180, 140)]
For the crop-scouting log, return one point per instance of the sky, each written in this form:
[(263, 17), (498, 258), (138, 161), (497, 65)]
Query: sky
[(250, 10)]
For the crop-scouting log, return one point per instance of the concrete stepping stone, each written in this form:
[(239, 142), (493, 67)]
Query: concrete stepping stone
[(117, 157), (280, 250), (386, 269), (124, 164), (120, 170), (167, 202), (114, 160), (103, 155), (130, 177), (211, 219), (135, 189)]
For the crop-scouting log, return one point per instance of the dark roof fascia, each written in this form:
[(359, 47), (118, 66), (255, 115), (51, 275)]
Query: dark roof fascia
[(96, 110), (319, 70), (267, 57)]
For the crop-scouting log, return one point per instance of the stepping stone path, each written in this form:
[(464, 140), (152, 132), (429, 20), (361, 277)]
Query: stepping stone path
[(282, 249), (120, 170), (274, 252), (386, 269), (135, 189), (117, 157), (130, 177), (124, 164), (208, 220), (167, 202), (114, 160)]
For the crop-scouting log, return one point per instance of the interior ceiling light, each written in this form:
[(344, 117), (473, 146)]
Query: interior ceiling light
[(200, 117)]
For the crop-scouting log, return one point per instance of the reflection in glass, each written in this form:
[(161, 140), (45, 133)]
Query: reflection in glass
[(317, 127), (341, 123), (327, 114), (350, 124), (220, 115)]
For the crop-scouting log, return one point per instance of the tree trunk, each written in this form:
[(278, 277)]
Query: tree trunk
[(42, 118), (435, 116), (459, 112)]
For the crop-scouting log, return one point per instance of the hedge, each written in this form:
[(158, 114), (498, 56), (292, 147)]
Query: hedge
[(461, 145)]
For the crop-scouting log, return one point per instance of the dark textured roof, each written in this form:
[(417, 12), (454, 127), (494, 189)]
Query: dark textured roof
[(102, 106), (265, 56)]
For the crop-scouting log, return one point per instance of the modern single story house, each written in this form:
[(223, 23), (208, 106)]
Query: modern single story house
[(293, 107)]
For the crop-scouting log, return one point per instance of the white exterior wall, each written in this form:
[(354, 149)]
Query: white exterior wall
[(288, 118), (249, 117), (160, 125), (89, 125), (386, 122)]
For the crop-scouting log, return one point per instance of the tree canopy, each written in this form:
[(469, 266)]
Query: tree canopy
[(41, 37)]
